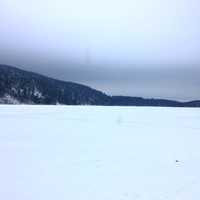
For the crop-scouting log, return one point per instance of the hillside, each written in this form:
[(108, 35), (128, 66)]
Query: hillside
[(18, 86), (22, 87)]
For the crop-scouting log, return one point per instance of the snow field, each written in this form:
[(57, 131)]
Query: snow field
[(99, 153)]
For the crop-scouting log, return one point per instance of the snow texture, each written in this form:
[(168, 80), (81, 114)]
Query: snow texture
[(37, 93), (99, 153), (7, 99)]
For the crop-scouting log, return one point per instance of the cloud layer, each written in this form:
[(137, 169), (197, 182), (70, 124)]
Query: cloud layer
[(140, 48)]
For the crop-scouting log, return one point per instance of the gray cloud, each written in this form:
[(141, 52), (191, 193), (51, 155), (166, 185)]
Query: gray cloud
[(143, 48)]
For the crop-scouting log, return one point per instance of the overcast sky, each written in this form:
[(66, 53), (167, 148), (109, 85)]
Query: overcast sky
[(148, 48)]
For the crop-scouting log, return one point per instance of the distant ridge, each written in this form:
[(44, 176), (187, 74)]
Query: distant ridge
[(22, 87), (138, 101)]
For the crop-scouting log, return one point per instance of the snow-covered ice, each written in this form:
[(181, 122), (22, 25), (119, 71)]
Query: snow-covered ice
[(99, 153)]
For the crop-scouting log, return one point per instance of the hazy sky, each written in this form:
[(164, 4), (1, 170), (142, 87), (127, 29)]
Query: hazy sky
[(148, 48)]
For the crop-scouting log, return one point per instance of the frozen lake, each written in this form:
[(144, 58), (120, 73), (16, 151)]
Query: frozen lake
[(99, 153)]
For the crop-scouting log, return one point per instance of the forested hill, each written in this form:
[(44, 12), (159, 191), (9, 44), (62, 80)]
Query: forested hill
[(19, 86), (22, 87)]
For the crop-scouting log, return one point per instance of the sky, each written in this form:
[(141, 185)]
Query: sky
[(147, 48)]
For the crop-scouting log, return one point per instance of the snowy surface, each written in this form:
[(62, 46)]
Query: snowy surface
[(37, 93), (99, 153), (7, 99)]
